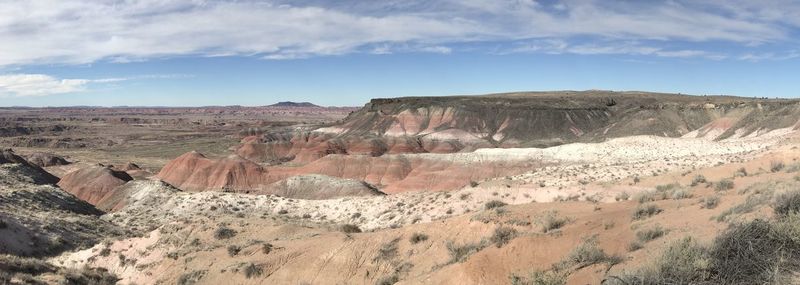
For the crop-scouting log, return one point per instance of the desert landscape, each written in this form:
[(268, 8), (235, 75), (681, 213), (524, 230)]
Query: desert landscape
[(616, 188), (399, 142)]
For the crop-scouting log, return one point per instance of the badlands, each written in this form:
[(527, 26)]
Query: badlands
[(567, 187)]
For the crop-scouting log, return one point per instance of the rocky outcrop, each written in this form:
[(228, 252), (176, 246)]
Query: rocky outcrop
[(93, 184), (46, 159), (32, 171), (319, 187)]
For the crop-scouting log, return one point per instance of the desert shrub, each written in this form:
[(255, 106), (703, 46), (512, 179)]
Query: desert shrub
[(794, 167), (645, 196), (234, 250), (266, 248), (105, 252), (741, 172), (710, 202), (642, 212), (636, 180), (503, 235), (667, 187), (417, 238), (283, 212), (683, 262), (622, 196), (224, 233), (651, 233), (306, 216), (552, 221), (549, 277), (776, 166), (349, 228), (586, 254), (388, 280), (473, 184), (681, 194), (757, 252), (698, 179), (16, 264), (787, 203), (191, 277), (93, 276), (752, 202), (388, 251), (253, 270), (724, 184), (494, 204), (635, 245), (460, 253)]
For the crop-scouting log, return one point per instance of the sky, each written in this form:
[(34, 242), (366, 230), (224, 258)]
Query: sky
[(343, 53)]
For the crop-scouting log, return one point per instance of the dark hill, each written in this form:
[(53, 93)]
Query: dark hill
[(295, 105)]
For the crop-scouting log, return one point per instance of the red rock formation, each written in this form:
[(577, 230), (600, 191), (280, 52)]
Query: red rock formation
[(194, 172), (94, 183)]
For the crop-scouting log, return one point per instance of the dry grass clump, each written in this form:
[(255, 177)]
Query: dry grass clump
[(494, 204), (503, 235), (622, 196), (724, 185), (460, 253), (709, 202), (755, 252), (417, 238), (552, 221), (549, 277), (741, 172), (224, 232), (761, 195), (698, 179), (252, 270), (388, 251), (643, 212), (787, 203), (650, 234), (191, 277), (776, 166), (586, 254), (349, 228), (233, 250)]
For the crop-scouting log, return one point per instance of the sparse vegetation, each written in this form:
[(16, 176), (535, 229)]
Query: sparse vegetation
[(349, 228), (503, 235), (266, 248), (388, 280), (586, 254), (622, 196), (787, 203), (224, 233), (651, 233), (417, 238), (459, 253), (741, 172), (552, 221), (710, 202), (776, 166), (642, 212), (252, 270), (549, 277), (234, 250), (388, 251), (698, 179), (494, 204), (724, 185)]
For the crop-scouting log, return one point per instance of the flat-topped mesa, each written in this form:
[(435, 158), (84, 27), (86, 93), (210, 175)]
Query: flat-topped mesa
[(526, 119)]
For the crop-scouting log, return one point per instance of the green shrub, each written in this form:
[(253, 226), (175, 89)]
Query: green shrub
[(642, 212)]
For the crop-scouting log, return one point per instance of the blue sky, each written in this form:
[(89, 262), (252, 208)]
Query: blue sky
[(194, 53)]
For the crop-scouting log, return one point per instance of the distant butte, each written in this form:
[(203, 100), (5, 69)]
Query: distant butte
[(295, 104)]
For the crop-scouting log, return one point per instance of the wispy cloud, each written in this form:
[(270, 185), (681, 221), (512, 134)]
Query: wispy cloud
[(31, 85), (78, 32)]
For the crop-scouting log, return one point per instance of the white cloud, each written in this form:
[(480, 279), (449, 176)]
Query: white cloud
[(24, 85), (77, 32), (29, 85)]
